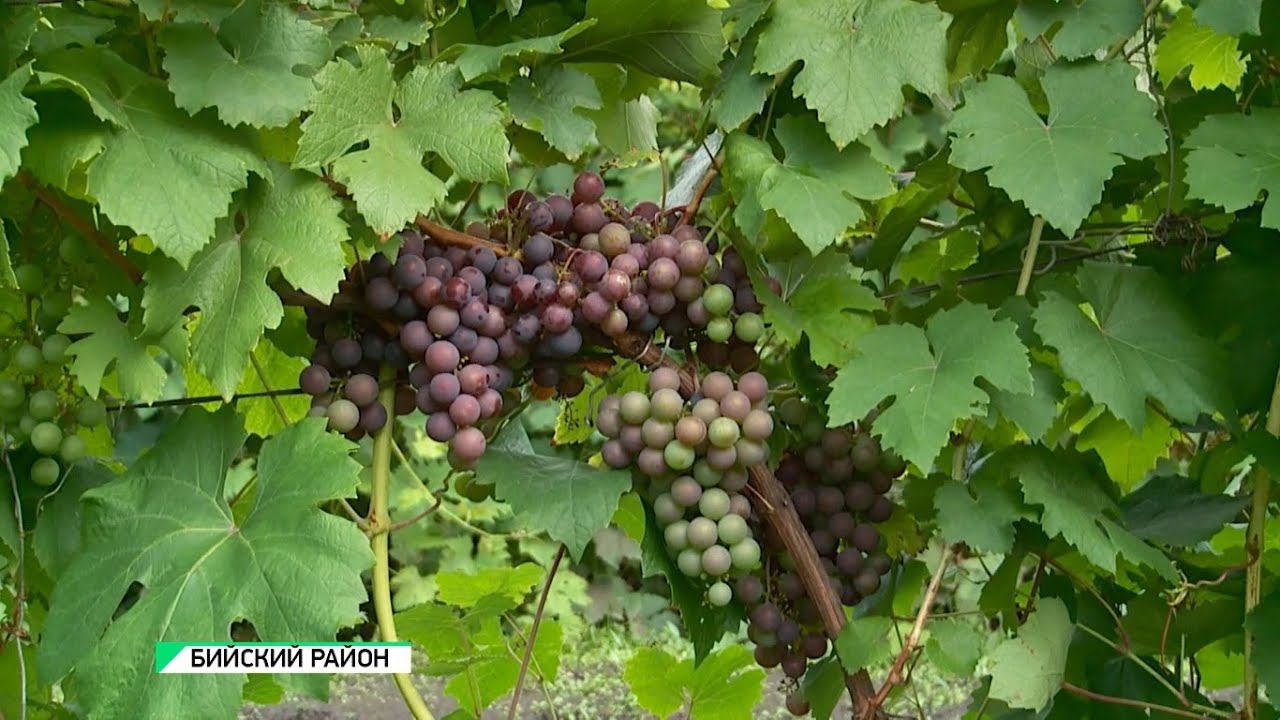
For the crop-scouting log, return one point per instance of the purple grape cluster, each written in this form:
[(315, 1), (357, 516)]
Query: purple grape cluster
[(728, 316)]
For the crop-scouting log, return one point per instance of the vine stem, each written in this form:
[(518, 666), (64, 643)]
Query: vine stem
[(1110, 700), (533, 633), (73, 218), (1029, 257), (436, 499), (380, 531), (917, 629), (1254, 541)]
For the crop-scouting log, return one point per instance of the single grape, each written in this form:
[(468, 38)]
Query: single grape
[(749, 589), (690, 562), (767, 656), (849, 561), (588, 187), (443, 388), (442, 356), (372, 417), (676, 535), (718, 300), (43, 405), (440, 427), (666, 405), (615, 456), (45, 472), (634, 407), (469, 444), (27, 358), (30, 278), (719, 329), (538, 216), (702, 531), (54, 349), (12, 393), (797, 704), (865, 453), (690, 430), (842, 525), (793, 666), (866, 582), (347, 353), (705, 475), (72, 449), (722, 458), (881, 509), (767, 617), (732, 529), (735, 405), (615, 239), (706, 410), (464, 410), (657, 433), (667, 511), (722, 432), (361, 389), (678, 456), (714, 504), (749, 327), (758, 425), (343, 415), (750, 452), (46, 437), (746, 553), (716, 560), (719, 594)]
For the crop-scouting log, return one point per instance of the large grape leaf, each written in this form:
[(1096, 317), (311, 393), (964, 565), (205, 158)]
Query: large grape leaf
[(288, 568), (249, 68), (823, 300), (980, 515), (1235, 158), (1214, 57), (17, 113), (1128, 455), (978, 34), (1026, 671), (162, 172), (930, 376), (8, 280), (292, 223), (1082, 26), (261, 414), (724, 686), (857, 56), (67, 138), (1233, 17), (1264, 622), (62, 27), (739, 93), (1172, 509), (355, 104), (568, 499), (551, 101), (1138, 342), (474, 61), (105, 340), (1056, 166), (669, 38)]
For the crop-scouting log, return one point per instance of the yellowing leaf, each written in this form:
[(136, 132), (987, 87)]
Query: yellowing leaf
[(1214, 58)]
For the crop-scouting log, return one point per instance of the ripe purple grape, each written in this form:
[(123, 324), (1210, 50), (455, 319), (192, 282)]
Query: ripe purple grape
[(442, 356), (440, 427), (314, 380), (443, 388), (410, 271), (381, 294), (588, 187), (347, 353), (361, 389)]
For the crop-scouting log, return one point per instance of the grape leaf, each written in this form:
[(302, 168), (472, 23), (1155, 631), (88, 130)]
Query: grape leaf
[(864, 642), (857, 56), (475, 61), (195, 11), (290, 569), (1128, 455), (62, 27), (17, 26), (657, 680), (1214, 58), (626, 122), (823, 685), (550, 102), (669, 38), (17, 113), (1232, 17), (1056, 166), (1264, 621), (1172, 509), (1137, 343), (108, 341), (8, 280), (724, 686), (822, 299), (1083, 26), (984, 523), (1027, 670), (930, 375), (249, 69), (57, 536), (740, 93), (978, 34), (1234, 158), (261, 416), (467, 589), (162, 172), (67, 138), (1032, 412), (954, 645), (354, 104), (568, 499), (292, 223)]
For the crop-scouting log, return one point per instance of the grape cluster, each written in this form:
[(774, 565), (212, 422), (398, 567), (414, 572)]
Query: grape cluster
[(729, 315), (37, 405), (694, 454), (837, 479)]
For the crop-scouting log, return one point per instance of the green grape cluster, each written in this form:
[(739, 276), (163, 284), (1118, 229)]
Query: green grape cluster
[(694, 453), (37, 406)]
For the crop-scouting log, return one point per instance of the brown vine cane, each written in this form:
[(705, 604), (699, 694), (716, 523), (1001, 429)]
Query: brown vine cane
[(774, 505)]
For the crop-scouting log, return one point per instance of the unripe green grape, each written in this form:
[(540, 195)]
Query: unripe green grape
[(745, 554), (46, 438), (26, 424), (91, 413), (54, 349), (70, 249), (690, 562), (27, 358), (30, 278), (758, 425), (714, 503), (4, 358), (343, 415), (716, 560), (750, 452), (722, 432), (634, 407), (793, 411), (748, 327), (720, 330), (43, 404), (676, 536), (678, 455), (73, 448), (666, 405), (666, 509), (718, 300), (12, 393), (45, 472), (719, 594), (812, 430), (732, 529), (702, 533), (706, 475), (54, 305)]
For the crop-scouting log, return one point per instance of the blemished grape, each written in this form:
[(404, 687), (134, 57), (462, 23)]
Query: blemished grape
[(45, 472), (343, 415)]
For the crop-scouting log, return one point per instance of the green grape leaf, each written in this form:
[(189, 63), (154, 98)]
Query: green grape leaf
[(928, 260), (673, 39), (62, 27), (354, 104), (476, 61), (162, 172), (724, 686), (1128, 455), (657, 680), (8, 280), (1033, 412), (249, 69), (109, 341), (1234, 158), (1083, 26), (1057, 166), (57, 536), (1214, 58), (823, 300), (194, 11), (17, 113), (978, 34), (287, 567), (984, 523), (626, 123), (823, 685), (467, 589), (1027, 670), (857, 55), (261, 414), (740, 93), (483, 682), (954, 645), (1264, 622), (551, 102), (66, 140), (1231, 17), (930, 375), (1077, 508), (291, 223), (567, 499), (1172, 509), (17, 26), (864, 641), (1138, 342)]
